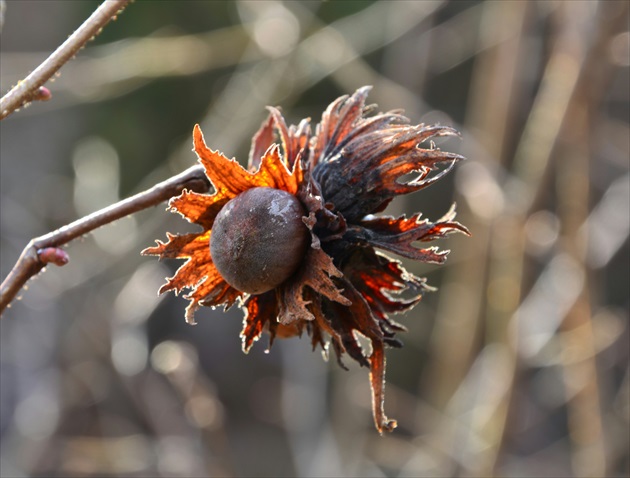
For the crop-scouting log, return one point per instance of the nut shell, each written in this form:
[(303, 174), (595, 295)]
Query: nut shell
[(258, 239)]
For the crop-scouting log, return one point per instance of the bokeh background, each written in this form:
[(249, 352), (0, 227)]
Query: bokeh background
[(516, 367)]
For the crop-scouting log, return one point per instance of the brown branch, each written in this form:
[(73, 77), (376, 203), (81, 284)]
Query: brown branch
[(46, 249), (31, 88)]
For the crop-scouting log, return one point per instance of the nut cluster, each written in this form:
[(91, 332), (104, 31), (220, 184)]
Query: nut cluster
[(295, 238)]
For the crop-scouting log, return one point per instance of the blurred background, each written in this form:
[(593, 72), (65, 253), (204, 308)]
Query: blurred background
[(516, 367)]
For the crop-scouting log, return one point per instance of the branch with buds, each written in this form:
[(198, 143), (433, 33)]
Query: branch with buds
[(46, 249), (31, 88)]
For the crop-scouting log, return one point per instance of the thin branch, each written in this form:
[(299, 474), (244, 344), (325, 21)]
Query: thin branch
[(45, 249), (31, 88)]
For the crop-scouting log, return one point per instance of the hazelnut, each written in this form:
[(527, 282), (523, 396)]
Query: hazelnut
[(259, 239)]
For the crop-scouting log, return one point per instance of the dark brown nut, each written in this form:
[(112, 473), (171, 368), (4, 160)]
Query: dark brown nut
[(259, 239)]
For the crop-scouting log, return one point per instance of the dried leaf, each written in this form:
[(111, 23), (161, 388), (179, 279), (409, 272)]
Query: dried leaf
[(261, 309), (398, 235), (316, 273)]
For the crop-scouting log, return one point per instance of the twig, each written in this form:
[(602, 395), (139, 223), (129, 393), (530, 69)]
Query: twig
[(46, 249), (30, 88)]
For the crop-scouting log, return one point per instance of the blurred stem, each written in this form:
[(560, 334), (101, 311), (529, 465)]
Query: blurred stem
[(31, 88), (558, 126), (45, 249), (532, 159), (581, 380)]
